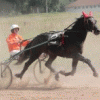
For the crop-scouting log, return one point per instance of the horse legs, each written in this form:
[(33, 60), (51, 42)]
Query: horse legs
[(48, 65), (87, 61), (27, 64), (74, 65)]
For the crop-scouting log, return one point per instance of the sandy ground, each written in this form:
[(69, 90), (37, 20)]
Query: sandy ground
[(81, 86)]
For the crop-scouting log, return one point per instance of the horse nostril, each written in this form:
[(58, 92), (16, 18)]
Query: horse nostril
[(97, 32)]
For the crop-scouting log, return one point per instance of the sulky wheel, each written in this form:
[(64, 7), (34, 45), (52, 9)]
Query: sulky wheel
[(5, 76), (41, 72)]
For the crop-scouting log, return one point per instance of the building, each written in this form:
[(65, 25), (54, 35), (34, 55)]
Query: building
[(84, 5)]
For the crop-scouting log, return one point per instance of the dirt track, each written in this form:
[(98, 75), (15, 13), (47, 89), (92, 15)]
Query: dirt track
[(81, 86)]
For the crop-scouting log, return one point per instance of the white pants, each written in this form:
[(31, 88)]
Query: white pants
[(12, 53)]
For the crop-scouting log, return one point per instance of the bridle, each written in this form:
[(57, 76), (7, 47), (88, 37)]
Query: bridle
[(86, 23)]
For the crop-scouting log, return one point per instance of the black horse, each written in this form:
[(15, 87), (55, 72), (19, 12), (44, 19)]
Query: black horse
[(72, 46)]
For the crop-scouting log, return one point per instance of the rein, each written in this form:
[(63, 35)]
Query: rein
[(8, 61), (69, 26), (24, 41), (64, 29), (62, 40)]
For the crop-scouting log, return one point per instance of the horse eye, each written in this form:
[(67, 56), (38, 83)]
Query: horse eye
[(90, 21)]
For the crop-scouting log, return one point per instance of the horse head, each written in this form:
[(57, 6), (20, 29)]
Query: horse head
[(90, 23)]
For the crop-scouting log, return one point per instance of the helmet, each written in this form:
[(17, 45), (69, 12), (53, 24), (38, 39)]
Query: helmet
[(14, 26)]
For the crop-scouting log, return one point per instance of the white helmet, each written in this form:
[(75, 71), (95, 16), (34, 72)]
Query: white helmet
[(14, 26)]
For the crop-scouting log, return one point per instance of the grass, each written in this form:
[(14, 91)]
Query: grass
[(33, 24), (38, 23)]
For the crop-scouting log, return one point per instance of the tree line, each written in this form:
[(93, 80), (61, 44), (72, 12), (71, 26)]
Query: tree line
[(39, 6)]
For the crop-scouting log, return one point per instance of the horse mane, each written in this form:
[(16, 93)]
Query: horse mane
[(80, 18), (79, 24)]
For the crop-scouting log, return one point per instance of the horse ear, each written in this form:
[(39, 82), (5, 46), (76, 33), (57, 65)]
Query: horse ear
[(85, 15), (90, 14)]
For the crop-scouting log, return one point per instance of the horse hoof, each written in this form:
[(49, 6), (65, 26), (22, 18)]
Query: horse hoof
[(95, 74), (18, 76), (57, 77)]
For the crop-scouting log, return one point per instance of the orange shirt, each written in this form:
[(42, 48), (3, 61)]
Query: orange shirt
[(13, 40)]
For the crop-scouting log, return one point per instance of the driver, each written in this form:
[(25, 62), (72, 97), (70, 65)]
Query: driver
[(14, 40)]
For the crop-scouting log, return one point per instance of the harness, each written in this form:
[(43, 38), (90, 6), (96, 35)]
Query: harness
[(86, 22), (62, 40), (57, 34)]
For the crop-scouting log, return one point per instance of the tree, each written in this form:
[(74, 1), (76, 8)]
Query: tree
[(20, 5), (48, 5), (52, 5), (25, 6)]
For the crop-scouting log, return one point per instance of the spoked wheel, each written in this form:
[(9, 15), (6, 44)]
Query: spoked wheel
[(41, 72), (5, 76)]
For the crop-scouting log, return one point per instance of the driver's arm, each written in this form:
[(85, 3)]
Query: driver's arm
[(24, 43)]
